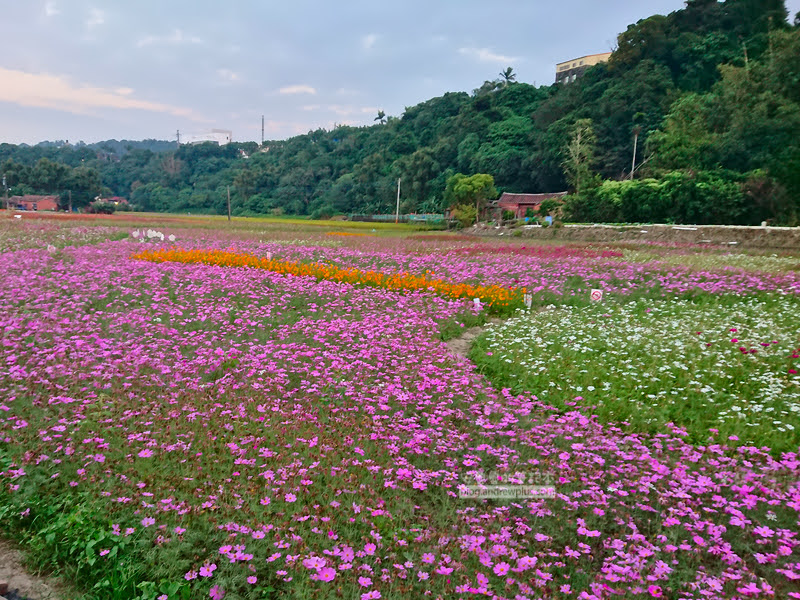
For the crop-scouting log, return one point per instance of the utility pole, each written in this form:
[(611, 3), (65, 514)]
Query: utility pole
[(397, 214), (5, 186), (179, 137), (70, 200), (746, 61), (229, 203), (262, 130), (636, 131)]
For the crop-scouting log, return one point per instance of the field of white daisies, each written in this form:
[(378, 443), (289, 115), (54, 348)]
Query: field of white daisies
[(193, 409)]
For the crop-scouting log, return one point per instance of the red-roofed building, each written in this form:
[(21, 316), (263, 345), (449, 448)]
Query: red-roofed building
[(519, 204), (31, 202)]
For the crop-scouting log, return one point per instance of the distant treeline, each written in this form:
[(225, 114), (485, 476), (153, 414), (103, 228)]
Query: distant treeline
[(712, 93)]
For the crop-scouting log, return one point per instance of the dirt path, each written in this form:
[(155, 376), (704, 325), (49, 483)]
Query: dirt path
[(21, 584), (460, 346)]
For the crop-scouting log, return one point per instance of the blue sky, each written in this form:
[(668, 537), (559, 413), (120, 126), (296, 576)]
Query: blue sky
[(92, 70)]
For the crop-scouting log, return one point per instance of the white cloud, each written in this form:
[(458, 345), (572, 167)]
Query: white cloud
[(486, 55), (228, 76), (176, 38), (368, 41), (297, 89), (58, 93), (51, 9), (96, 18), (347, 111)]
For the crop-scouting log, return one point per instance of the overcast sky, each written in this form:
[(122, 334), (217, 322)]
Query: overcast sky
[(93, 70)]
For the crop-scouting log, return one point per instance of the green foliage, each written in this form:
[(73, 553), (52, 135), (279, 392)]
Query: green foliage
[(467, 196), (465, 214), (704, 198), (713, 85), (101, 207)]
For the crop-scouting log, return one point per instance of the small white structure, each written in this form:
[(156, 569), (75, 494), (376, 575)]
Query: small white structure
[(219, 136)]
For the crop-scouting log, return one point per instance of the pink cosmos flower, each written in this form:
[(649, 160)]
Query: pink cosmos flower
[(216, 593), (501, 569), (207, 570), (314, 563), (325, 574), (252, 579), (654, 591), (373, 595), (290, 497)]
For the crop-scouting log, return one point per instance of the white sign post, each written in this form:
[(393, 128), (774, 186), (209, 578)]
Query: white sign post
[(528, 301)]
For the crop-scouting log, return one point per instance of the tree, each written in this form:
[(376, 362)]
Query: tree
[(580, 155), (85, 185), (381, 118), (685, 140), (48, 176), (508, 76), (462, 192), (245, 183)]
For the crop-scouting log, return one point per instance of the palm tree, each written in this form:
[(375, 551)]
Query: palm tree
[(508, 76), (381, 118)]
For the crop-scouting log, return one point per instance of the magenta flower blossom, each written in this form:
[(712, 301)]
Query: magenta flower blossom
[(216, 593), (324, 574), (501, 569)]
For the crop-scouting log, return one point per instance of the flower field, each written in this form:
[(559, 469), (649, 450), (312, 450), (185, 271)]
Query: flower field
[(497, 298), (178, 429), (728, 365)]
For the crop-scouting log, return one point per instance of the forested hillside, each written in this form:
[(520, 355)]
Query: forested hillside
[(712, 91)]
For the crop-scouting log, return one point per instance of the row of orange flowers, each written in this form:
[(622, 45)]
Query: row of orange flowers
[(498, 298)]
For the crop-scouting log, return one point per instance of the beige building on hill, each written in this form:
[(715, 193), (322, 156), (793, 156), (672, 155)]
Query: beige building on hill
[(569, 71)]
